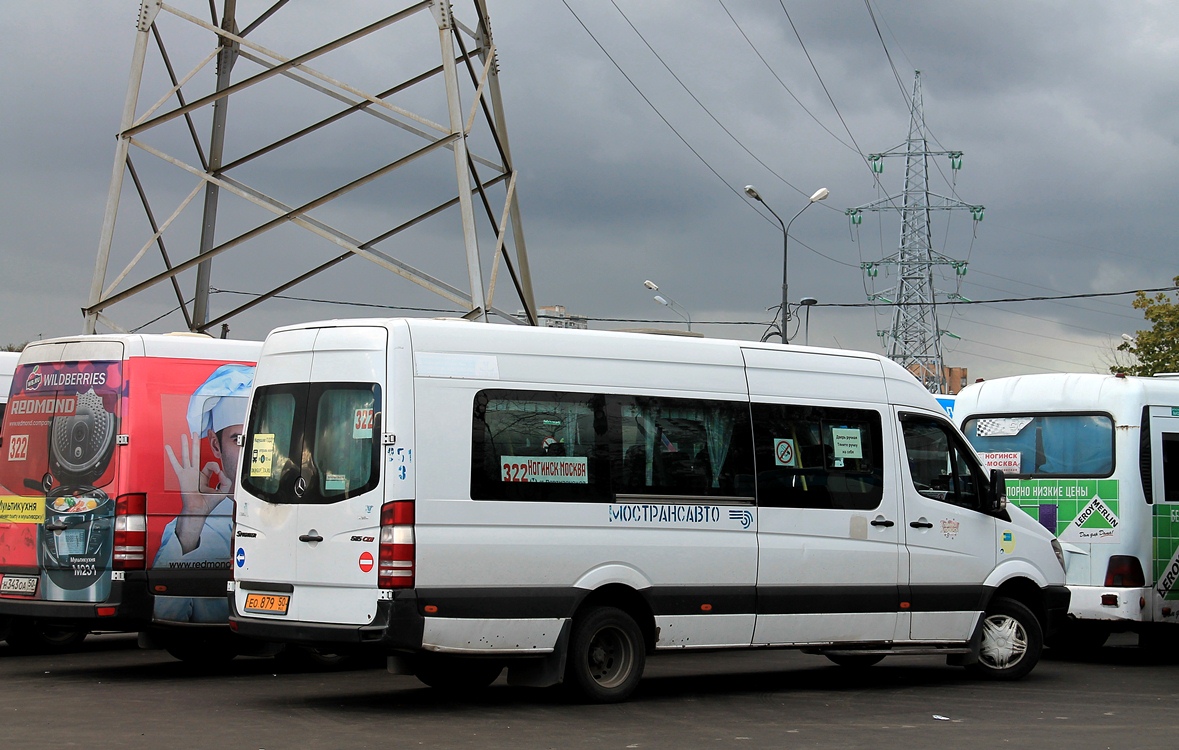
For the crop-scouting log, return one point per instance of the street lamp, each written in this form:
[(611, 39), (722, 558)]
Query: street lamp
[(820, 194), (669, 303)]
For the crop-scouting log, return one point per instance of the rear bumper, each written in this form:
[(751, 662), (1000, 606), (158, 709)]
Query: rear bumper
[(128, 608), (397, 626), (1133, 604)]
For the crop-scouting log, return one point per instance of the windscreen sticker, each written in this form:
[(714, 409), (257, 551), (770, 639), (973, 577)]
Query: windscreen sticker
[(847, 442), (562, 470), (1001, 426), (1008, 462), (784, 452), (262, 455), (362, 424), (335, 481)]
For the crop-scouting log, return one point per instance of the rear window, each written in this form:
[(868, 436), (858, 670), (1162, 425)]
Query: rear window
[(313, 442), (1045, 445)]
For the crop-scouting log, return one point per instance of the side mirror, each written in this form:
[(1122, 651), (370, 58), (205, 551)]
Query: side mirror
[(997, 496)]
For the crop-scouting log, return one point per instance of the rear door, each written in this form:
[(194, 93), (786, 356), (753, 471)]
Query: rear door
[(1164, 487), (61, 434), (315, 464)]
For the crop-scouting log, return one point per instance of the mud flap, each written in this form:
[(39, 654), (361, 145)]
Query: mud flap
[(546, 671), (964, 660)]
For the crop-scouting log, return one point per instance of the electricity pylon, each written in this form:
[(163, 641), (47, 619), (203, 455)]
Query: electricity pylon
[(914, 341), (294, 111)]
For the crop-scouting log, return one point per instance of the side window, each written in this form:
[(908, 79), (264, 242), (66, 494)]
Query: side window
[(818, 457), (939, 463), (683, 447), (1171, 467), (529, 445), (581, 447)]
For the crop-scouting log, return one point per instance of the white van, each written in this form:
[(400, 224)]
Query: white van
[(1094, 458), (467, 497)]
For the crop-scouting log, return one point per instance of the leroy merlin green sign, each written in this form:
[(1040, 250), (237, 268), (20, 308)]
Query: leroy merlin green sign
[(1076, 510)]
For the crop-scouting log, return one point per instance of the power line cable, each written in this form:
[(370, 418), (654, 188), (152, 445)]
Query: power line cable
[(700, 103), (653, 107)]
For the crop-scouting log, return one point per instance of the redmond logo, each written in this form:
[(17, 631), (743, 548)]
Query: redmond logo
[(34, 380)]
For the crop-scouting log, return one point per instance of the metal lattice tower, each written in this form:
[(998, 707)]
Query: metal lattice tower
[(914, 341), (258, 215)]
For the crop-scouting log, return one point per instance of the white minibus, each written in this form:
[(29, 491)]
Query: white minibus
[(466, 497), (1095, 458)]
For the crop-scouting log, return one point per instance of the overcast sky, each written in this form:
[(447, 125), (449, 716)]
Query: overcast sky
[(1067, 114)]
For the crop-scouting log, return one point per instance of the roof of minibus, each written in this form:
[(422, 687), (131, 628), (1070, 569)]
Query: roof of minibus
[(170, 345), (1120, 395), (903, 388)]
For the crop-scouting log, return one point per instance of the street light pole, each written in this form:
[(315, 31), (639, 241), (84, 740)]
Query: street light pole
[(820, 194), (668, 302)]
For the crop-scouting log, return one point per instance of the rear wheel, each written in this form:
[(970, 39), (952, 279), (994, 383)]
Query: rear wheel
[(1011, 641), (606, 655), (456, 674), (855, 661), (41, 637)]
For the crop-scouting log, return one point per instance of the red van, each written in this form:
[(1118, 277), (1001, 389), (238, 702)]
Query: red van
[(118, 460)]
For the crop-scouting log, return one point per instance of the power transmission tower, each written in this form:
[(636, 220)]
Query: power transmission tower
[(914, 341), (262, 216)]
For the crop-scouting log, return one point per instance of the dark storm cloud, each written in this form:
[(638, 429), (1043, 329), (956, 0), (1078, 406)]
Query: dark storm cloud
[(1066, 111)]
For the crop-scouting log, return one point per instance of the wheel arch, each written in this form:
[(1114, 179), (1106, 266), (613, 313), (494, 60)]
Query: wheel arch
[(626, 599), (1028, 593)]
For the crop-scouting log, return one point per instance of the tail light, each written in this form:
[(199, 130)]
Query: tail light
[(131, 532), (1124, 571), (395, 567)]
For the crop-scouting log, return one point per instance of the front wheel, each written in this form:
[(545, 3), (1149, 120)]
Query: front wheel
[(1011, 641), (606, 655)]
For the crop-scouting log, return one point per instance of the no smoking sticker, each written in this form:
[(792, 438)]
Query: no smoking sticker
[(784, 454)]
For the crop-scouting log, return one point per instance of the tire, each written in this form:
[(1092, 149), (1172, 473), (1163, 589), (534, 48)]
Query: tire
[(456, 674), (855, 661), (38, 637), (606, 656), (1012, 640)]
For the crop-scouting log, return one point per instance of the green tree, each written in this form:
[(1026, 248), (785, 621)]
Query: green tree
[(1157, 349), (14, 347)]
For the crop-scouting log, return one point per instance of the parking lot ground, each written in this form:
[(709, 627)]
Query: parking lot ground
[(113, 695)]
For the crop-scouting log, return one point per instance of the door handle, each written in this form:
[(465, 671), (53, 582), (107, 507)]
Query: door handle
[(310, 538), (882, 522), (921, 524)]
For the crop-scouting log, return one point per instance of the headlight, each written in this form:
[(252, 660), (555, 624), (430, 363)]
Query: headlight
[(1059, 555)]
